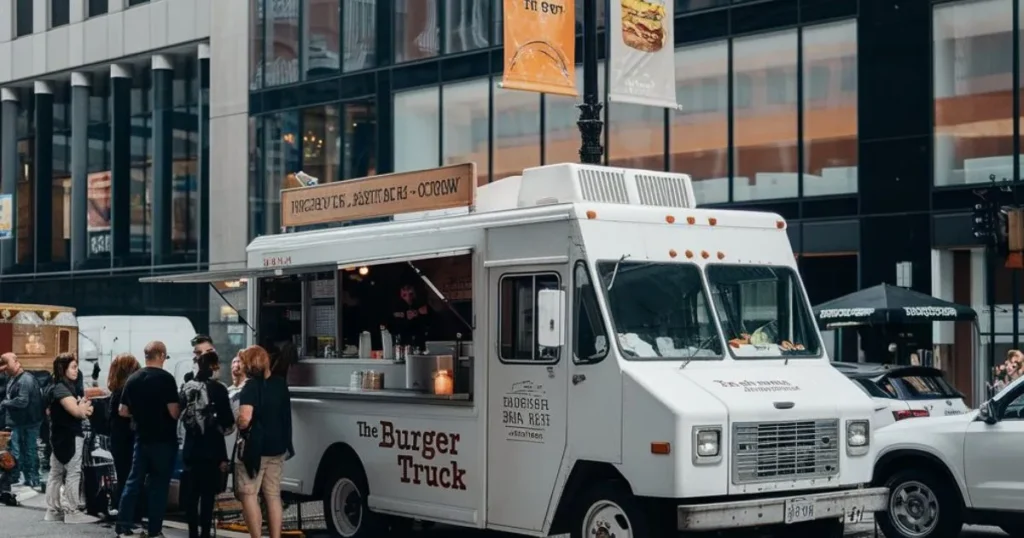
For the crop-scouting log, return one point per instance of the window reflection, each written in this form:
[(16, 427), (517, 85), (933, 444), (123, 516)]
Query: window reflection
[(282, 42), (360, 20), (60, 191), (416, 30), (973, 77), (98, 180), (257, 47), (464, 125), (637, 136), (417, 120), (185, 159), (360, 126), (323, 19), (141, 167), (830, 109), (699, 134), (321, 143), (466, 23), (25, 198), (561, 134), (765, 117), (516, 131), (281, 157)]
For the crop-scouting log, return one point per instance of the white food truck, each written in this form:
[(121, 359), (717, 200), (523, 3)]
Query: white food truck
[(576, 350)]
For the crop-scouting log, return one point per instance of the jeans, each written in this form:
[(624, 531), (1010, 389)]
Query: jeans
[(25, 449), (70, 477), (155, 461), (205, 482)]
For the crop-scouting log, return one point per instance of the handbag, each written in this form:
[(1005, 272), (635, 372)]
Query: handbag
[(249, 445)]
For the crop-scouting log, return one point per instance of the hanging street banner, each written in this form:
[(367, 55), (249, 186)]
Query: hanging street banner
[(643, 68), (540, 46), (6, 216)]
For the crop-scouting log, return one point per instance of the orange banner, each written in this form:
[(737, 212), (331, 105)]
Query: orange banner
[(540, 46)]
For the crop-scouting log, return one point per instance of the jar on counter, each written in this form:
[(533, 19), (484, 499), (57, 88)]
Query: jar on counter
[(356, 380), (378, 381), (368, 380)]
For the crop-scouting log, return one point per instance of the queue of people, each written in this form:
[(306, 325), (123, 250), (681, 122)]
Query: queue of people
[(241, 431)]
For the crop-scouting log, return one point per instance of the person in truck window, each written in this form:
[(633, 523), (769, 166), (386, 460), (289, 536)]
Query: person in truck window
[(411, 316), (265, 432)]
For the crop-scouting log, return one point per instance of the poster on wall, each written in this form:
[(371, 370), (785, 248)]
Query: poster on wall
[(540, 46), (98, 212), (6, 216), (642, 58)]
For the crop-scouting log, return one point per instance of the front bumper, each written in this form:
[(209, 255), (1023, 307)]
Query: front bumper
[(848, 504)]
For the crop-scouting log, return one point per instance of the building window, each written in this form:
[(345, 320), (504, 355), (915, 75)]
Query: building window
[(23, 18), (561, 134), (60, 13), (590, 339), (321, 143), (136, 2), (281, 154), (517, 318), (360, 48), (97, 7), (359, 125), (636, 136), (417, 142), (416, 30), (973, 81), (141, 167), (830, 109), (516, 132), (322, 19), (185, 158), (699, 131), (466, 25), (98, 180), (257, 45), (465, 124), (765, 133), (282, 42), (697, 5)]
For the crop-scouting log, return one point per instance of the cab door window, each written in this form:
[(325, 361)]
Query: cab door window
[(590, 340), (517, 318)]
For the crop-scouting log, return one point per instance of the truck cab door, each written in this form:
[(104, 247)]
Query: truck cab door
[(526, 399), (992, 469)]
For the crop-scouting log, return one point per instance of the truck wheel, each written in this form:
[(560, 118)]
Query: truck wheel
[(609, 510), (345, 509), (921, 505)]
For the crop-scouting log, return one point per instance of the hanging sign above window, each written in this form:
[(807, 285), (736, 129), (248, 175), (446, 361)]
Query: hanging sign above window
[(379, 196)]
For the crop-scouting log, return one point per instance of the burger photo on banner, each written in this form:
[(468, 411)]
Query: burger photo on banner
[(641, 59)]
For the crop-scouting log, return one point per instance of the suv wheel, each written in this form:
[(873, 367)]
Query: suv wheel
[(921, 505)]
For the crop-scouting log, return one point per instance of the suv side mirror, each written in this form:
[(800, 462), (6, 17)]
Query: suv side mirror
[(550, 313), (987, 413)]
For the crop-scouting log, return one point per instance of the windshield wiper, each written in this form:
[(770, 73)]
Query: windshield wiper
[(701, 346), (615, 272)]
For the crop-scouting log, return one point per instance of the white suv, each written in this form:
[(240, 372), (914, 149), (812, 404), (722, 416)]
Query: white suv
[(943, 472)]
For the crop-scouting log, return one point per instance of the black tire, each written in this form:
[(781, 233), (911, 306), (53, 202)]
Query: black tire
[(355, 520), (923, 487), (615, 497)]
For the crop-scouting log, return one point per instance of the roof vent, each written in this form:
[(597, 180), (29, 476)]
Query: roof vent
[(574, 183)]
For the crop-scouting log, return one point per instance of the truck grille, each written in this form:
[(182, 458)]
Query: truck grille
[(765, 451)]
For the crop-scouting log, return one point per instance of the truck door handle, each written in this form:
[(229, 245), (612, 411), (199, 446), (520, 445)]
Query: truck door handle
[(578, 378)]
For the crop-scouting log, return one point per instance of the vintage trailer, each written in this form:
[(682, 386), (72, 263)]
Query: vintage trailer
[(38, 333), (576, 350)]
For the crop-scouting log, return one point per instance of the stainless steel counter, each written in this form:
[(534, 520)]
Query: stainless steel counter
[(384, 395)]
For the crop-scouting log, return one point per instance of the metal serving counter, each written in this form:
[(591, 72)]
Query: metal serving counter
[(381, 395)]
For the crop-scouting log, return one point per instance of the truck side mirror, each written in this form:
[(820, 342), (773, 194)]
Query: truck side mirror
[(550, 313)]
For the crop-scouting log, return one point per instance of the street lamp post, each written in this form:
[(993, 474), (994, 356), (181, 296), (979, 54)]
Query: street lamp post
[(590, 124)]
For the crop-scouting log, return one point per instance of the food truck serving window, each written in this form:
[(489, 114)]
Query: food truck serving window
[(763, 311)]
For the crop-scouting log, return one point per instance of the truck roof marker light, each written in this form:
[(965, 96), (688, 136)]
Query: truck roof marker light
[(662, 448), (721, 255), (780, 224), (591, 214), (670, 219), (691, 220), (689, 253), (672, 253), (704, 254), (712, 221)]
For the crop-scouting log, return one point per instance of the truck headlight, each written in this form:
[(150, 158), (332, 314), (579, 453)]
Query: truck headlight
[(858, 437), (707, 444)]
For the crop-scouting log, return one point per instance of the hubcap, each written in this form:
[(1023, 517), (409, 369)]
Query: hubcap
[(606, 519), (347, 507), (914, 509)]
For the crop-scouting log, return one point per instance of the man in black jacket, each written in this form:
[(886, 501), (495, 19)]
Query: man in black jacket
[(25, 411), (6, 496)]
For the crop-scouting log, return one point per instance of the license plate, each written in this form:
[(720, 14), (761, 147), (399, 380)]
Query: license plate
[(798, 510), (854, 515)]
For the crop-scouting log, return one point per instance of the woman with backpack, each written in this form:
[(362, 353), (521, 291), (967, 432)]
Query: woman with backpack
[(207, 418)]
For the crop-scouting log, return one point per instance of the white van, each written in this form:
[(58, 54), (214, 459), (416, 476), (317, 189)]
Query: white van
[(101, 338)]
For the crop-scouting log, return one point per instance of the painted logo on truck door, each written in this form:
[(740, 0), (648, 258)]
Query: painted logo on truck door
[(525, 412), (417, 450)]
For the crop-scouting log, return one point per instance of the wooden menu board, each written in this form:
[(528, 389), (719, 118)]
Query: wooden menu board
[(378, 196)]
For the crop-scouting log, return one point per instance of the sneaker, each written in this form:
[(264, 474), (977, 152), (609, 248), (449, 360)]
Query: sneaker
[(78, 518), (52, 515)]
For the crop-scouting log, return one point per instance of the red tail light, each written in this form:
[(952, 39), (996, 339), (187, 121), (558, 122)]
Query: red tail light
[(910, 413)]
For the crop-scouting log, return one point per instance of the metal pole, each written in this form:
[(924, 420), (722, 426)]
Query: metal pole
[(590, 124), (990, 293), (1015, 273)]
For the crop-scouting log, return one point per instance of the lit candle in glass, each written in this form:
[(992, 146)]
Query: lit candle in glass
[(443, 383)]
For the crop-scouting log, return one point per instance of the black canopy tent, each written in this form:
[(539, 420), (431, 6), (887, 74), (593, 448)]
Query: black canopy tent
[(885, 304)]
